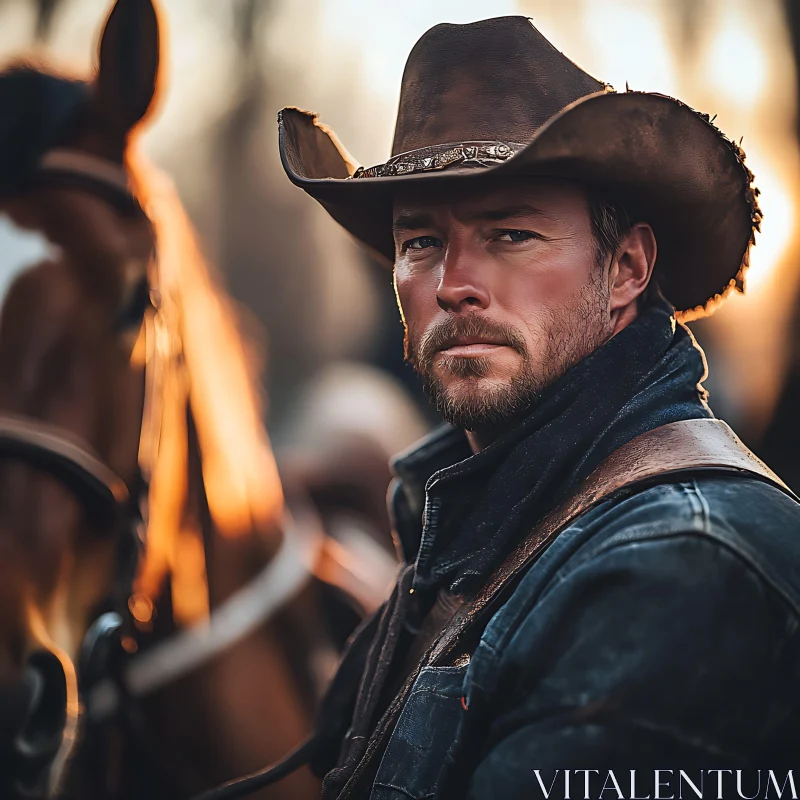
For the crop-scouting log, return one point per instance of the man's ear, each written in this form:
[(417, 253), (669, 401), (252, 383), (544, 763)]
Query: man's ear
[(129, 66), (633, 267)]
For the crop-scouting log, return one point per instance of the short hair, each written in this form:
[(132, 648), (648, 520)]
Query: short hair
[(611, 223)]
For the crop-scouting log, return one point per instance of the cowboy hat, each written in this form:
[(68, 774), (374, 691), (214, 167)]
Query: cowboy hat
[(496, 98)]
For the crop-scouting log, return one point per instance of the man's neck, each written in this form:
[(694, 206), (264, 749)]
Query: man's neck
[(481, 438)]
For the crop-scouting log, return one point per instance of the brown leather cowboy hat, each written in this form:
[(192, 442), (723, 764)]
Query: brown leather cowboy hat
[(496, 98)]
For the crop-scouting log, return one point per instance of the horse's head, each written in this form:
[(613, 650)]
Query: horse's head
[(75, 246)]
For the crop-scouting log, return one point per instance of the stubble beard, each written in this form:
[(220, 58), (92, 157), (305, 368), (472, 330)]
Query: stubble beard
[(476, 395)]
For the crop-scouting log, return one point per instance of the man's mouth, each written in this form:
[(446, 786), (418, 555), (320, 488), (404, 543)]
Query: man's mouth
[(471, 346)]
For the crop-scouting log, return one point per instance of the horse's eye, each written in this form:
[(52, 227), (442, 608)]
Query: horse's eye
[(135, 303)]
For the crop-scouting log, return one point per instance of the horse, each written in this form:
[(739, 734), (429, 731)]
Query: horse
[(158, 610)]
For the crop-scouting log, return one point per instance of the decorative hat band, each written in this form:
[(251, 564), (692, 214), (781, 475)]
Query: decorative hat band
[(427, 159)]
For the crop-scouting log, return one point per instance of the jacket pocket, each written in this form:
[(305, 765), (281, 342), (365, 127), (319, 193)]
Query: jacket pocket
[(415, 755)]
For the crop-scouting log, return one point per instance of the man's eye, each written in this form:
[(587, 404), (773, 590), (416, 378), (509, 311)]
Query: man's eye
[(422, 243), (516, 236)]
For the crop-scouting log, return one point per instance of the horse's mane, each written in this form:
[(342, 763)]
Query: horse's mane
[(215, 373), (39, 111)]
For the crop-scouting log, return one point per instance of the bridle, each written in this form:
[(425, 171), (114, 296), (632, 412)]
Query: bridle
[(51, 448), (48, 447), (107, 499), (56, 451), (59, 452), (106, 673)]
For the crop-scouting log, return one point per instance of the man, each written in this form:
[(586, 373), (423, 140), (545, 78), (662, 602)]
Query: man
[(599, 578)]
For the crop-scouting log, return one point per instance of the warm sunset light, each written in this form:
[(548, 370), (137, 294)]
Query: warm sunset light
[(645, 64), (398, 398), (203, 367), (736, 61), (238, 467), (777, 203)]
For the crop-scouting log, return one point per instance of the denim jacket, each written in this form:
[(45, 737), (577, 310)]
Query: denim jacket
[(656, 632)]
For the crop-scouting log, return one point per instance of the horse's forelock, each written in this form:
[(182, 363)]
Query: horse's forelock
[(38, 111)]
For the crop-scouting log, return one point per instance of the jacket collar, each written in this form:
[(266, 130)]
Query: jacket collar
[(413, 468)]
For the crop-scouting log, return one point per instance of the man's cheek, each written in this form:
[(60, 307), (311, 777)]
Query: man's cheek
[(401, 292), (416, 295)]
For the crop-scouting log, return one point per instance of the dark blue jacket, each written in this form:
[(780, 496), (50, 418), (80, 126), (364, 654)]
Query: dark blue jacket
[(659, 632), (656, 632)]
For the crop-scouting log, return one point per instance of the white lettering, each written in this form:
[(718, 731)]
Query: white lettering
[(586, 780), (719, 780), (541, 785), (739, 786), (633, 788), (683, 776), (789, 777), (657, 775), (615, 785)]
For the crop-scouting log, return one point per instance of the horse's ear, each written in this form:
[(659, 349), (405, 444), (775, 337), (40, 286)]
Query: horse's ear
[(129, 58)]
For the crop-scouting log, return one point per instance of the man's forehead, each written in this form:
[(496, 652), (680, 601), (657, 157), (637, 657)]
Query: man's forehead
[(473, 198)]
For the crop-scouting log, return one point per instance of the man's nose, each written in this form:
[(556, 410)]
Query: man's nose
[(462, 286)]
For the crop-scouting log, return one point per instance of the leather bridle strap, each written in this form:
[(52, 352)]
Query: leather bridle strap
[(85, 171), (63, 455), (242, 613), (239, 615)]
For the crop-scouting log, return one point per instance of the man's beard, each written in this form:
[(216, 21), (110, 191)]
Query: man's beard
[(484, 397)]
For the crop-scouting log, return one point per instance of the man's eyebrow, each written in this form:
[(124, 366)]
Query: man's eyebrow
[(510, 212), (417, 220), (412, 221)]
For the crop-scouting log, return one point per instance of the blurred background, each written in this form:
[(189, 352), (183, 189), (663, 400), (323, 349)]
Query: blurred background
[(332, 333)]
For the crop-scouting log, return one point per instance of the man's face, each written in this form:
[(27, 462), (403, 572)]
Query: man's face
[(500, 290)]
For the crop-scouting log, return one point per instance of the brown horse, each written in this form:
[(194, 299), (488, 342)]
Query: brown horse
[(197, 643)]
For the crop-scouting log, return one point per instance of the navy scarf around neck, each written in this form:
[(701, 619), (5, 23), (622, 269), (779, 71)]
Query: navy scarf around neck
[(647, 375)]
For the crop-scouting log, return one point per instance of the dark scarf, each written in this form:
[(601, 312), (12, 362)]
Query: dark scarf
[(647, 375)]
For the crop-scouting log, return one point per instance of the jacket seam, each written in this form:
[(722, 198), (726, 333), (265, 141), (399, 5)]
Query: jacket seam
[(405, 792), (731, 545), (632, 536), (699, 504), (704, 502)]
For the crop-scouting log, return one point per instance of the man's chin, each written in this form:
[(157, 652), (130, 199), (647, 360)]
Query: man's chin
[(482, 403), (475, 388), (495, 365)]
